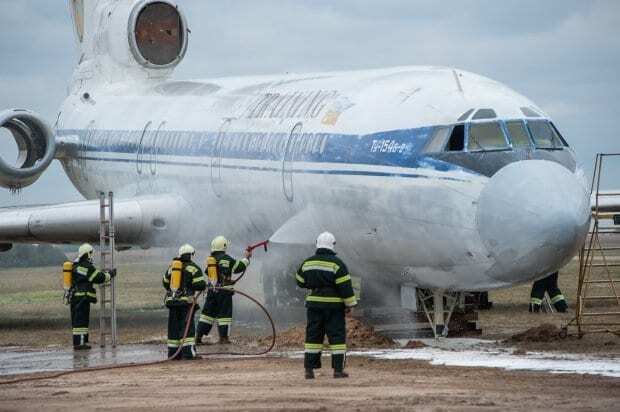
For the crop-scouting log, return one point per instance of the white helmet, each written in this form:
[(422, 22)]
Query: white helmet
[(326, 241), (85, 249), (186, 249), (219, 244)]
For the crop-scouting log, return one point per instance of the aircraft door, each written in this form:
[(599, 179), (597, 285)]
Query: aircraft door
[(140, 152), (292, 144), (154, 149), (84, 147), (216, 158)]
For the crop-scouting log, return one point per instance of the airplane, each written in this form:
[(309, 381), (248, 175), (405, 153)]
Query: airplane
[(431, 176)]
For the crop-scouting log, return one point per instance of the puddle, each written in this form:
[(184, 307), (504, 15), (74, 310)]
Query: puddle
[(15, 361), (450, 352)]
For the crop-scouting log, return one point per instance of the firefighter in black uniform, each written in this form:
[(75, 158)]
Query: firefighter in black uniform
[(84, 275), (549, 285), (219, 303), (332, 296), (182, 279)]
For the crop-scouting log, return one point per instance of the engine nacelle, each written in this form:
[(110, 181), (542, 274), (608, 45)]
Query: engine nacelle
[(36, 145), (151, 33)]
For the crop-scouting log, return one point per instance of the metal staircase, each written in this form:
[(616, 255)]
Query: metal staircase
[(598, 302), (107, 291)]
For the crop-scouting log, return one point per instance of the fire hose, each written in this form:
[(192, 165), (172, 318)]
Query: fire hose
[(188, 322)]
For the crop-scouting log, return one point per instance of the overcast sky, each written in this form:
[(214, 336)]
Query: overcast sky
[(563, 54)]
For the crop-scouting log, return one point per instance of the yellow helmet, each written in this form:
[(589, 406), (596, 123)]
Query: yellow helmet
[(219, 244), (85, 249), (186, 249)]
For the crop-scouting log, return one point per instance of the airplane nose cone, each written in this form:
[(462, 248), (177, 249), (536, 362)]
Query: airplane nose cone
[(532, 217)]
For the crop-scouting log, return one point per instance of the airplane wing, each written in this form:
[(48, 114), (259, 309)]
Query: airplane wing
[(140, 221)]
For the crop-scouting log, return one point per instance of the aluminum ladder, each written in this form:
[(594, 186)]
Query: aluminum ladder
[(107, 291)]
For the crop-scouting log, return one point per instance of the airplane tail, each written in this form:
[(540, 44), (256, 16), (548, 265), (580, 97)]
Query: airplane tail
[(121, 39)]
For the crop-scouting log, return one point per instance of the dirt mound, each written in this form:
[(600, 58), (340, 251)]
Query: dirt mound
[(415, 344), (543, 333), (359, 335)]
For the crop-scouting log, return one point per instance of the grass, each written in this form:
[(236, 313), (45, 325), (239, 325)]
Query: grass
[(32, 312)]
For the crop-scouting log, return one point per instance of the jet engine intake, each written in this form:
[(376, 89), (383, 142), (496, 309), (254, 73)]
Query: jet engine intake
[(159, 35), (151, 33), (36, 146)]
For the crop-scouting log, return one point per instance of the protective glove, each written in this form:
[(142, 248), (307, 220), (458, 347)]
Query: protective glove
[(112, 273)]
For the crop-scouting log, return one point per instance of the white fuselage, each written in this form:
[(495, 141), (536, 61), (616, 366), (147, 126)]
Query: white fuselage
[(287, 157)]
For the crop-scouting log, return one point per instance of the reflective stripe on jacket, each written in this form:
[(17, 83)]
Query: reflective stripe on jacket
[(85, 275), (192, 280), (328, 279)]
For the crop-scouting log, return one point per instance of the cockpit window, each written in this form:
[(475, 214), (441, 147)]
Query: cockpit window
[(465, 115), (457, 139), (555, 129), (518, 134), (437, 143), (485, 114), (544, 135), (529, 112), (486, 136)]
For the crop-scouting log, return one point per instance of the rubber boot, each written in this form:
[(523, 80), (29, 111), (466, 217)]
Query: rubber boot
[(561, 306), (309, 374), (340, 374), (224, 341)]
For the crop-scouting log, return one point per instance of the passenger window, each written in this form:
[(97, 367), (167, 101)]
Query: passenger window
[(438, 141), (544, 136), (518, 134), (486, 136), (457, 139)]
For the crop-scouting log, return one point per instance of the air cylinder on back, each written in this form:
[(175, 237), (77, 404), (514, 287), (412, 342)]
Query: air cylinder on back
[(175, 277), (67, 275)]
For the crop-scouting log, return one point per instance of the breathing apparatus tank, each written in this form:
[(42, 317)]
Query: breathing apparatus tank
[(175, 276), (67, 281), (212, 270)]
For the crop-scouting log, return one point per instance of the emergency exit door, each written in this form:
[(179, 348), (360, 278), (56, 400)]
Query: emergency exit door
[(288, 161)]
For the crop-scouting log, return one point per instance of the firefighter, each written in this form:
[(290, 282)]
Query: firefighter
[(331, 298), (218, 305), (548, 284), (84, 275), (182, 279)]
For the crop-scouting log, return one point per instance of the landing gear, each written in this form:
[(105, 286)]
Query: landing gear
[(438, 306)]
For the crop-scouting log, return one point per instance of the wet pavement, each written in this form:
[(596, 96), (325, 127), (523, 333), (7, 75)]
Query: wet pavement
[(450, 352), (16, 360)]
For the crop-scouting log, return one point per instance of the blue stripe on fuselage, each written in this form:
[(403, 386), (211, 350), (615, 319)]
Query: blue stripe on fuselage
[(339, 172), (397, 148)]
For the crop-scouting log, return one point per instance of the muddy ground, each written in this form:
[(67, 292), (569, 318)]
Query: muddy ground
[(32, 316), (277, 384)]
